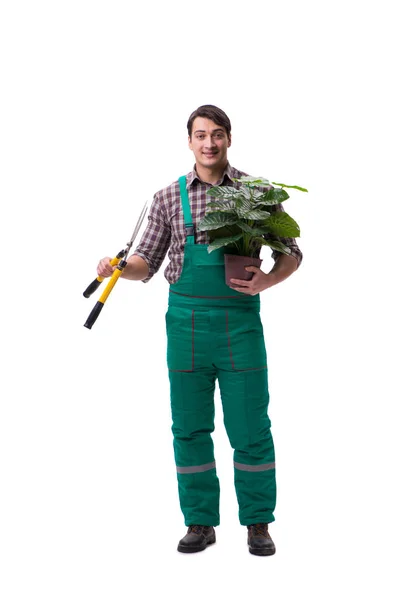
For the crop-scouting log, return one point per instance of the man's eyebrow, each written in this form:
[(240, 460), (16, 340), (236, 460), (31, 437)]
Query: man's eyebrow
[(213, 131)]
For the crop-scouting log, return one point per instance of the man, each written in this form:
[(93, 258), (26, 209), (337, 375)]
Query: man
[(214, 332)]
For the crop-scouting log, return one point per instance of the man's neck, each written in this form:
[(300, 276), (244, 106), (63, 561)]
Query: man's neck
[(210, 175)]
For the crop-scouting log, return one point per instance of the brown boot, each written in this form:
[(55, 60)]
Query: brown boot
[(259, 540), (198, 537)]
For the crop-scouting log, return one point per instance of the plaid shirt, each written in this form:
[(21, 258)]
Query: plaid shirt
[(166, 227)]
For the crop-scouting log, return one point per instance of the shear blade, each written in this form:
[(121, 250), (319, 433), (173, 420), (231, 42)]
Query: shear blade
[(138, 225)]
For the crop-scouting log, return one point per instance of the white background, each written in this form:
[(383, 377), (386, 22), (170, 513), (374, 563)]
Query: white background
[(95, 98)]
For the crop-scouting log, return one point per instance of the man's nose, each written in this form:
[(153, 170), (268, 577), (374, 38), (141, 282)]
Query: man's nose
[(210, 142)]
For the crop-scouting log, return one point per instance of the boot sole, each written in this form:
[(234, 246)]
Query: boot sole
[(189, 550), (262, 552)]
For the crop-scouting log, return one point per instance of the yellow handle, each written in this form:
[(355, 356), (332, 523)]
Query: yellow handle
[(113, 262), (114, 278), (95, 284)]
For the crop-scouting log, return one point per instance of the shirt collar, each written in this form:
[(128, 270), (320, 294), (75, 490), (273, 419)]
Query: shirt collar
[(227, 174)]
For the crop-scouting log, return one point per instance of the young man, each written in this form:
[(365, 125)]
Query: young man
[(214, 332)]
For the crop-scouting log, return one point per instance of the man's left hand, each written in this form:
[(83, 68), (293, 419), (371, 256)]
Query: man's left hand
[(260, 281)]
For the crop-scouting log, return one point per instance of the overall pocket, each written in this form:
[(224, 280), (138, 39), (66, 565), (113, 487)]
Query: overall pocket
[(180, 338), (245, 340)]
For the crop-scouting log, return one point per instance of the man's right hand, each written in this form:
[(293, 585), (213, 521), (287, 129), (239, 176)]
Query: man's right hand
[(104, 268)]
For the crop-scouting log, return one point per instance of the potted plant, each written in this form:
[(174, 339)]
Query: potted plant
[(243, 220)]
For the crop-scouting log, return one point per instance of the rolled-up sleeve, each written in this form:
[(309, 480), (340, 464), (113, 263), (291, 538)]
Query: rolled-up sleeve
[(155, 240), (289, 242)]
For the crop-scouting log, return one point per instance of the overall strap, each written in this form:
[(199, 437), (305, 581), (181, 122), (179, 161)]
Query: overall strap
[(187, 215)]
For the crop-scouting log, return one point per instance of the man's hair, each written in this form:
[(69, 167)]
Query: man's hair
[(208, 111)]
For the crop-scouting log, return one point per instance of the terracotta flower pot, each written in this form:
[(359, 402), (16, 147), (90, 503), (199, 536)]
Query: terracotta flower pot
[(235, 267)]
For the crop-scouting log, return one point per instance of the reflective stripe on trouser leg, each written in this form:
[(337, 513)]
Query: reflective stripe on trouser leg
[(245, 403), (192, 406)]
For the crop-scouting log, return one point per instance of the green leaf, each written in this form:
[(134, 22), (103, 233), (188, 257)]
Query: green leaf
[(252, 231), (245, 191), (255, 215), (253, 181), (216, 220), (257, 194), (220, 242), (296, 187), (282, 225), (244, 206), (222, 205), (223, 232), (274, 244), (224, 191), (274, 196)]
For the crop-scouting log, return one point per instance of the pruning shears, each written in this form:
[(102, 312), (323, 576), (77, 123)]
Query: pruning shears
[(120, 260)]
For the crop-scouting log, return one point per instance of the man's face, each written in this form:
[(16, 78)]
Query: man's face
[(209, 143)]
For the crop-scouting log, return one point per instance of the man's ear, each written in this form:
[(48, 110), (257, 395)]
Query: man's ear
[(229, 141), (190, 142)]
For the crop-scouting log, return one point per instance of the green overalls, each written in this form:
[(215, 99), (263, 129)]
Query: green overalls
[(214, 333)]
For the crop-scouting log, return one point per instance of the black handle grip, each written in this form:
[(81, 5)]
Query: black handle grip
[(92, 288), (93, 315)]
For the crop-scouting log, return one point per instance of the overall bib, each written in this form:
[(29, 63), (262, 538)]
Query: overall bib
[(214, 333)]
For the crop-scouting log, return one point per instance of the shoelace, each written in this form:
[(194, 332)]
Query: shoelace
[(260, 529), (195, 529)]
